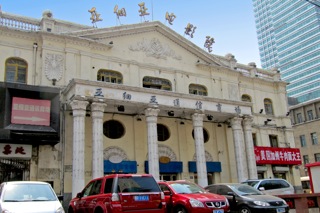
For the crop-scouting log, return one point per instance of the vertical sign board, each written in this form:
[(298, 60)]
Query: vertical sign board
[(30, 111)]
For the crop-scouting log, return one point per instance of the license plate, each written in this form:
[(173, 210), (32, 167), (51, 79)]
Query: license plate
[(279, 210), (218, 211), (141, 198)]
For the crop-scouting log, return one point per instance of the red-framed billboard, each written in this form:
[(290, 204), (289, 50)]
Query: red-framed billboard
[(277, 155), (30, 111)]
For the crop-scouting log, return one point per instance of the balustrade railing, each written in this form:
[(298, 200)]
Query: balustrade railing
[(19, 22)]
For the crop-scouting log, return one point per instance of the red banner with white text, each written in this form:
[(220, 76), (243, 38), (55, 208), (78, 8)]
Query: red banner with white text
[(277, 155)]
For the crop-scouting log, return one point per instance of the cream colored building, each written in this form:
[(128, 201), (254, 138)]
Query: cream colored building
[(141, 98)]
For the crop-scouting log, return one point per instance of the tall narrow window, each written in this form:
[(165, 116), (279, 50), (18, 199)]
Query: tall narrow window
[(109, 76), (317, 157), (305, 159), (299, 118), (314, 138), (254, 139), (273, 140), (303, 141), (16, 70), (157, 83), (246, 98), (197, 89), (268, 106), (310, 115)]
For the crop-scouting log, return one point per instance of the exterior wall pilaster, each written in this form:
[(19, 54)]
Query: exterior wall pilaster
[(239, 147), (97, 110), (251, 160), (197, 119), (153, 155), (79, 112)]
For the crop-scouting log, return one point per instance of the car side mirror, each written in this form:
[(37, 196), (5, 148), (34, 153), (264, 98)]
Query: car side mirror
[(261, 188), (166, 192), (60, 197), (231, 194), (79, 195)]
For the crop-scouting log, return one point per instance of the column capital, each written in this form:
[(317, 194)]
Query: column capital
[(236, 122), (78, 107), (98, 106), (197, 119), (152, 112), (247, 122)]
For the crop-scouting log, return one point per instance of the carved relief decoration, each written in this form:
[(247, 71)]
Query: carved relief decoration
[(114, 152), (53, 66), (208, 157), (167, 152), (154, 48)]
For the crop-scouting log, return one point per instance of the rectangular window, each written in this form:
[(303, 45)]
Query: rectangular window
[(303, 141), (314, 138), (305, 159), (254, 139), (317, 157), (273, 140), (310, 115), (299, 118)]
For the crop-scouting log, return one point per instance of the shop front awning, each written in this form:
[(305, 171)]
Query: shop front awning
[(170, 168), (211, 166), (122, 167)]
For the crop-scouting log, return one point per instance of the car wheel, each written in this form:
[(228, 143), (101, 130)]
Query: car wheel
[(180, 209), (244, 209)]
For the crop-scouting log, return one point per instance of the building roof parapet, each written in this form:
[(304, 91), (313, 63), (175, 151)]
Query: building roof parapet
[(32, 24)]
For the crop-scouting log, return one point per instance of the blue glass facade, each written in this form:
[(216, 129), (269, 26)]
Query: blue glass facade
[(289, 38)]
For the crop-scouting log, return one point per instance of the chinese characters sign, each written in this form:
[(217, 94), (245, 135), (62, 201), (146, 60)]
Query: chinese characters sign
[(30, 111), (272, 155), (15, 151)]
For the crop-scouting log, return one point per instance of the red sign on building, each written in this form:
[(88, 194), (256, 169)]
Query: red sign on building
[(30, 111), (273, 155)]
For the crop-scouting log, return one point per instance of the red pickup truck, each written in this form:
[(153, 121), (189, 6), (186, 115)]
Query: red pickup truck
[(120, 193)]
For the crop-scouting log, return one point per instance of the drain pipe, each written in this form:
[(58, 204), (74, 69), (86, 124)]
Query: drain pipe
[(35, 48)]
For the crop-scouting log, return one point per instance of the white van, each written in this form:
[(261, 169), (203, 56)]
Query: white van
[(272, 186)]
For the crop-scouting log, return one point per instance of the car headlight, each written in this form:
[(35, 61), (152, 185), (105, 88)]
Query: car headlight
[(261, 203), (196, 203)]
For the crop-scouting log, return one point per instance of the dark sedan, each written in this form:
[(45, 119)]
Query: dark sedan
[(246, 199)]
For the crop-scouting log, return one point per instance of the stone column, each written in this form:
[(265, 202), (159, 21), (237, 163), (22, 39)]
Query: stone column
[(79, 112), (97, 110), (239, 147), (153, 155), (197, 119), (251, 159)]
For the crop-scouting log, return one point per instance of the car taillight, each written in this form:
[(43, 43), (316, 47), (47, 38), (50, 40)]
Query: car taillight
[(115, 197)]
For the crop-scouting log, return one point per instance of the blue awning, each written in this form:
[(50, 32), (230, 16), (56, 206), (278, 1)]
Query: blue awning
[(122, 167), (171, 167), (211, 166)]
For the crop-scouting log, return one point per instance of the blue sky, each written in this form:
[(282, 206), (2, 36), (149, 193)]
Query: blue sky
[(229, 22)]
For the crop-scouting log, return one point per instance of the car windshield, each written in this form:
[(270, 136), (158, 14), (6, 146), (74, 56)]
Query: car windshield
[(242, 189), (28, 192), (251, 183), (187, 188)]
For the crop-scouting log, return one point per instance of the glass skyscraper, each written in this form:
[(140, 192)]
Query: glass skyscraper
[(289, 38)]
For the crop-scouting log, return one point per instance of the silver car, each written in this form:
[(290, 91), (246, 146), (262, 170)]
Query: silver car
[(29, 197)]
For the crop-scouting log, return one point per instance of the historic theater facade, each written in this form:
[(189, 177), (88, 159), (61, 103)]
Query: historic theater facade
[(136, 98)]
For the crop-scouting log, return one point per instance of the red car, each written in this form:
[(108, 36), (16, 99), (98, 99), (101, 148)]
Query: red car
[(120, 193), (186, 197)]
